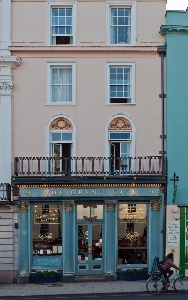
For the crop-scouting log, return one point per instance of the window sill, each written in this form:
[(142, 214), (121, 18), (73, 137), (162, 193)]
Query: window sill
[(112, 104), (60, 103)]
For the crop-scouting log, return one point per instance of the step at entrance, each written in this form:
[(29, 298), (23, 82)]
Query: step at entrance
[(87, 278)]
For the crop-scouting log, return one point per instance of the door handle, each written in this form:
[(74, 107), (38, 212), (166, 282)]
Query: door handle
[(90, 250)]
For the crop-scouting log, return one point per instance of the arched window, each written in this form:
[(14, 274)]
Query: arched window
[(61, 141), (120, 143)]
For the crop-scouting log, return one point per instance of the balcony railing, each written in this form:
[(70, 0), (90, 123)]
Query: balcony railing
[(87, 166), (5, 192)]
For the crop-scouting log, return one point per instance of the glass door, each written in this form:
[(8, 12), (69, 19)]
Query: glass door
[(89, 249)]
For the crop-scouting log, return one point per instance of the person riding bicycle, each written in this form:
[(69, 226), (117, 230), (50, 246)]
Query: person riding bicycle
[(167, 264)]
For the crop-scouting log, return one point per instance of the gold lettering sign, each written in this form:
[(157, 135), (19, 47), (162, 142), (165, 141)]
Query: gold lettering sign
[(73, 192), (102, 192), (94, 192), (80, 192), (53, 192)]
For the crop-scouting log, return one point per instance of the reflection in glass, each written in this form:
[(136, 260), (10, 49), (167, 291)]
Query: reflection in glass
[(83, 242), (91, 212), (97, 242), (132, 233)]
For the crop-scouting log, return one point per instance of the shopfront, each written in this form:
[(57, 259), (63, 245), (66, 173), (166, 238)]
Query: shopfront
[(89, 230)]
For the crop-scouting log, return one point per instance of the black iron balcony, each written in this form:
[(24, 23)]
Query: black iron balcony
[(88, 166), (5, 192)]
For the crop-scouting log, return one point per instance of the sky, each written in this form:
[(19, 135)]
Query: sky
[(177, 4)]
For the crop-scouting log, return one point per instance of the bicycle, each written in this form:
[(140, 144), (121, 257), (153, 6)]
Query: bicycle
[(156, 283)]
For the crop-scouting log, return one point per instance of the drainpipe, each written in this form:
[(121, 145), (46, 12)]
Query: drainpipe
[(161, 50)]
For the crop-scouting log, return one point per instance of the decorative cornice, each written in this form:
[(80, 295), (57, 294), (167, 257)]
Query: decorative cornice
[(92, 185), (113, 49), (10, 61), (173, 29)]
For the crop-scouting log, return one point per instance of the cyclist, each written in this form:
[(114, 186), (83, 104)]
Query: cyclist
[(167, 264)]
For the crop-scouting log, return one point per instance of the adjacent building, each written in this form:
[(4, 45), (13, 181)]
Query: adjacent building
[(176, 32), (87, 160)]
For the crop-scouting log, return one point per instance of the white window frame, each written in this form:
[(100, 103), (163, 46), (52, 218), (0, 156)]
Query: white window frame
[(49, 7), (48, 82), (131, 65), (132, 5)]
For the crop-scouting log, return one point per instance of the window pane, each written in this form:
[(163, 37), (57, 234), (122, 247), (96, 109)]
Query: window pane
[(69, 11), (132, 233), (120, 135), (120, 85), (54, 11), (66, 136), (56, 137), (62, 21), (62, 12)]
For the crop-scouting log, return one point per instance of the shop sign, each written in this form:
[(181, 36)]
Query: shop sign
[(173, 233), (80, 192)]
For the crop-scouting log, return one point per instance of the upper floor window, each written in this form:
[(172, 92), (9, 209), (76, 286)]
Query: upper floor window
[(121, 24), (61, 83), (62, 29), (121, 79)]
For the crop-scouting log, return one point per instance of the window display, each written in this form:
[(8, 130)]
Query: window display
[(47, 231), (132, 233)]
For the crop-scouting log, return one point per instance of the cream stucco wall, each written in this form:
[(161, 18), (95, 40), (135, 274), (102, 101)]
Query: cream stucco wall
[(90, 113), (91, 22)]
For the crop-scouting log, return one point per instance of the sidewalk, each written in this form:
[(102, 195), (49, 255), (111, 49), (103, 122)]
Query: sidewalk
[(89, 288)]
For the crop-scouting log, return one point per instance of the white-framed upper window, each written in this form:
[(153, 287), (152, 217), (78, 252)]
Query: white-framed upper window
[(61, 24), (120, 83), (61, 83), (121, 24)]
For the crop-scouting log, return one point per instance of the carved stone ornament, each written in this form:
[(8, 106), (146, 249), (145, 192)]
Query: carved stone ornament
[(23, 206), (69, 206), (120, 124), (61, 124), (6, 85), (155, 205), (110, 205)]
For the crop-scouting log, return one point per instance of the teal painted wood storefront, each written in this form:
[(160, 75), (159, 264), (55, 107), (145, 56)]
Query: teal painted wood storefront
[(93, 234)]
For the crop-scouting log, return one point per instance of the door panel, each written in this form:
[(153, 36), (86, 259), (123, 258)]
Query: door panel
[(89, 249), (61, 158)]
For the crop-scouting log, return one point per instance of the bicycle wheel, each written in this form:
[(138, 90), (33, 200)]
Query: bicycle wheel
[(181, 284), (154, 285)]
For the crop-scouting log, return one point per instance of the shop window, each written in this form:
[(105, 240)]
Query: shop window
[(132, 233), (47, 230)]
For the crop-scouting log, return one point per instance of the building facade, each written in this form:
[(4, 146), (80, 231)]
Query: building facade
[(87, 161), (176, 32)]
